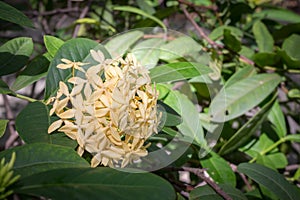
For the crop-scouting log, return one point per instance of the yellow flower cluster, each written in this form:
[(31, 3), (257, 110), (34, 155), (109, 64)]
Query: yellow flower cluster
[(110, 118)]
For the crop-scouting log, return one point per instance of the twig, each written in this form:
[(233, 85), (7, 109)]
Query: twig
[(234, 168), (200, 173), (199, 29), (9, 115), (82, 15)]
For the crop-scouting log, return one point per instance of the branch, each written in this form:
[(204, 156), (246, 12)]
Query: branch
[(200, 173), (82, 15), (234, 168)]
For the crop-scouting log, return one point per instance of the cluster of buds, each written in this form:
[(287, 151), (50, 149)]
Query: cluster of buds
[(110, 111)]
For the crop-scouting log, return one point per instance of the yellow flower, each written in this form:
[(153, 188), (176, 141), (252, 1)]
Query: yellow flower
[(110, 118)]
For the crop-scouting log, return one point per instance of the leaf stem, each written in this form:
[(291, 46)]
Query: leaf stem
[(20, 96)]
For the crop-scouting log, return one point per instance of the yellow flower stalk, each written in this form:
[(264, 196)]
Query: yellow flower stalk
[(110, 118)]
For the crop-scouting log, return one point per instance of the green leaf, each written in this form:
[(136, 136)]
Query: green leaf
[(263, 37), (34, 71), (204, 192), (207, 193), (290, 45), (180, 47), (77, 50), (294, 138), (248, 129), (218, 169), (231, 42), (147, 52), (9, 13), (144, 5), (14, 54), (120, 44), (3, 124), (241, 74), (276, 117), (235, 100), (172, 117), (140, 12), (4, 89), (32, 125), (273, 161), (266, 59), (294, 93), (190, 127), (52, 44), (278, 14), (177, 71), (270, 179), (36, 158), (97, 183), (219, 32)]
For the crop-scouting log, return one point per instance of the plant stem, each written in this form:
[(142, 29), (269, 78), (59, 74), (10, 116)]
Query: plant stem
[(20, 96)]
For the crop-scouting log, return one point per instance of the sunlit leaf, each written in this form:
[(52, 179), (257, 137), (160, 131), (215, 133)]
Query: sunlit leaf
[(240, 97)]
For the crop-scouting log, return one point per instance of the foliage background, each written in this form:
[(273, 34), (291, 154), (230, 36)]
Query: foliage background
[(257, 154)]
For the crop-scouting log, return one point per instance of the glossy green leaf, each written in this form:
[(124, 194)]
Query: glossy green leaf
[(3, 124), (77, 50), (278, 14), (97, 183), (32, 125), (34, 71), (180, 47), (11, 14), (14, 54), (243, 73), (52, 44), (120, 44), (248, 129), (177, 71), (207, 193), (190, 127), (270, 179), (147, 52), (276, 117), (4, 89), (231, 42), (218, 169), (38, 157), (263, 38), (235, 100), (290, 46), (140, 12)]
